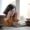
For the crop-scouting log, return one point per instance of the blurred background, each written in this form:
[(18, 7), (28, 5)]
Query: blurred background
[(23, 8)]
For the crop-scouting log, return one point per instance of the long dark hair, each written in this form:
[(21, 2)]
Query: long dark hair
[(9, 7)]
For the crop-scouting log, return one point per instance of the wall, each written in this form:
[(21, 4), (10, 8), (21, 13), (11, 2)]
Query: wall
[(25, 8), (28, 14)]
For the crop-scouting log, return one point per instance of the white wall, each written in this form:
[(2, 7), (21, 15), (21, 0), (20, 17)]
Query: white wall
[(28, 14), (24, 8)]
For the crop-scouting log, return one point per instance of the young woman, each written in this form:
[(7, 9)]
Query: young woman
[(11, 16)]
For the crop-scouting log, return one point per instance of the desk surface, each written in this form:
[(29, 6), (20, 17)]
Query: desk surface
[(16, 28)]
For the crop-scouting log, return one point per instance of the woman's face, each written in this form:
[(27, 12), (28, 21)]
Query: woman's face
[(13, 11)]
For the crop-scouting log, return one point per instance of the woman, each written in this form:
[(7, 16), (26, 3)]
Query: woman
[(11, 15)]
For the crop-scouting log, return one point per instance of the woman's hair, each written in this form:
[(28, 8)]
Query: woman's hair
[(9, 7)]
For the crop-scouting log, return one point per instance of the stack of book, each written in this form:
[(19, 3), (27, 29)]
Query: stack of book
[(28, 22)]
